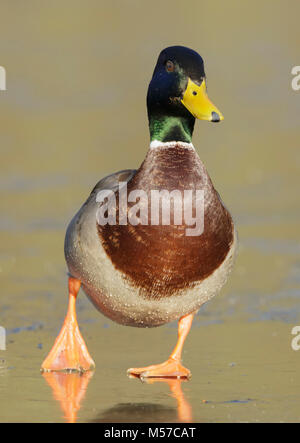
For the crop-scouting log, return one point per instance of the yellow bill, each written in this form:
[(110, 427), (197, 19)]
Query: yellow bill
[(195, 99)]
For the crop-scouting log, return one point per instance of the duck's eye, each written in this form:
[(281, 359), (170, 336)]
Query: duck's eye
[(194, 93), (170, 66)]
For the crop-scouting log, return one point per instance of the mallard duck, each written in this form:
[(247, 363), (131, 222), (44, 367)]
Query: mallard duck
[(141, 270)]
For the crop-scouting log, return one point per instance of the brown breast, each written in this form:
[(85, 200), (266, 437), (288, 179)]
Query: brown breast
[(160, 260)]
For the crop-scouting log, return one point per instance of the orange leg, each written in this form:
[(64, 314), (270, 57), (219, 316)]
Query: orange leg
[(69, 352), (171, 367)]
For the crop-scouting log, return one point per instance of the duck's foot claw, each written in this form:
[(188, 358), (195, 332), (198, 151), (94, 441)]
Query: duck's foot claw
[(69, 353), (169, 369)]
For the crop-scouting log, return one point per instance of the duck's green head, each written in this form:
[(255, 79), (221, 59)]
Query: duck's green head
[(177, 95)]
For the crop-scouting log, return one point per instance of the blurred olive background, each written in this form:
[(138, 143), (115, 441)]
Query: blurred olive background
[(75, 110)]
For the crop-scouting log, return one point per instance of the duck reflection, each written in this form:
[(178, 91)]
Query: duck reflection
[(184, 409), (69, 390), (137, 413), (150, 412)]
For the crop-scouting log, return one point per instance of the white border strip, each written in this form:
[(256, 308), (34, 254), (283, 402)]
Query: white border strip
[(158, 144)]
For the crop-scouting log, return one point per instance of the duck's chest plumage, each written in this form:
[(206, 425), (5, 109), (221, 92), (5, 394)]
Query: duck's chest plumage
[(150, 274)]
